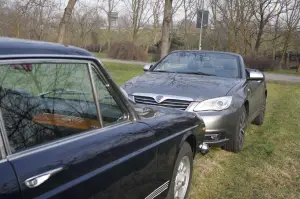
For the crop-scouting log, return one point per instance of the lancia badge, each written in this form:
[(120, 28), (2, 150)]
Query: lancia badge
[(159, 98)]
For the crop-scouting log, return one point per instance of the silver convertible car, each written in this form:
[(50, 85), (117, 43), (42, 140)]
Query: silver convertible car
[(215, 85)]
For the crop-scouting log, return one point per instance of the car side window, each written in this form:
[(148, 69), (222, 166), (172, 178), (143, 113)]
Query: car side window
[(111, 112), (44, 102)]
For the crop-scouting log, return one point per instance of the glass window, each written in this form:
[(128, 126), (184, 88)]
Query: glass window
[(200, 63), (44, 102), (110, 110)]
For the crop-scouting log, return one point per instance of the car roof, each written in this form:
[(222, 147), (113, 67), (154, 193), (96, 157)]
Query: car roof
[(208, 51), (13, 47)]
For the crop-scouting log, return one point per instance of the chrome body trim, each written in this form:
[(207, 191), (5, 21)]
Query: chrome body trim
[(192, 106), (164, 97), (4, 143), (95, 95), (158, 191), (37, 180)]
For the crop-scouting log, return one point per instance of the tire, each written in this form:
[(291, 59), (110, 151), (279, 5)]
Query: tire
[(259, 120), (237, 141), (184, 157)]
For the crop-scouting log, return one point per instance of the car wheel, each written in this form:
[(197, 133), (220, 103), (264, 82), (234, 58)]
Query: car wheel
[(182, 174), (237, 141), (259, 120)]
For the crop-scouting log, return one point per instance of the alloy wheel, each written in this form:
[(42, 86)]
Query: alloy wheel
[(242, 129), (182, 178)]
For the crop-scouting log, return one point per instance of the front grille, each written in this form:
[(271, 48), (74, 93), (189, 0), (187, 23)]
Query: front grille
[(170, 103)]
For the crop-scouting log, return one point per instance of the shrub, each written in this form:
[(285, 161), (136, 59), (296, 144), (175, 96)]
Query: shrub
[(262, 63), (127, 50), (93, 47)]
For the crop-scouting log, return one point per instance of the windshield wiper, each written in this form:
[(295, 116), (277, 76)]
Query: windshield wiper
[(62, 91), (199, 73), (163, 71)]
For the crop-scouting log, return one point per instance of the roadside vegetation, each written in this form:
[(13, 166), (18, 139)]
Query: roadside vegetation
[(292, 72), (268, 166)]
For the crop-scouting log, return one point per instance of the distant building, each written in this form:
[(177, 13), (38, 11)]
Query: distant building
[(113, 17)]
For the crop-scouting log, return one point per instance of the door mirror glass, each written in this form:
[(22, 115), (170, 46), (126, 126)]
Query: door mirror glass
[(147, 67), (255, 75)]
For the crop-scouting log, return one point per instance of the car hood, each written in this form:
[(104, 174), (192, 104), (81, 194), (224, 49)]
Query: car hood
[(196, 87)]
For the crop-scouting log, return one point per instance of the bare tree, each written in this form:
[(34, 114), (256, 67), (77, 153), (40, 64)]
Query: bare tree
[(213, 5), (85, 21), (264, 11), (157, 7), (109, 6), (140, 15), (291, 19), (166, 28), (65, 20), (189, 15)]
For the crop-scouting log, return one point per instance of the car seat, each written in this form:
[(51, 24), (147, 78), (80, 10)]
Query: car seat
[(230, 70), (208, 68)]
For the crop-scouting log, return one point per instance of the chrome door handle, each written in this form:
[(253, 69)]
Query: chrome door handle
[(37, 180)]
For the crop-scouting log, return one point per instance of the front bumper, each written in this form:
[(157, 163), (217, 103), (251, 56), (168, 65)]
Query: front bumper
[(220, 125)]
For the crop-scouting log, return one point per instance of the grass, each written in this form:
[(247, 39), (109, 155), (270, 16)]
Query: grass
[(123, 72), (101, 55), (285, 72), (151, 57), (268, 166)]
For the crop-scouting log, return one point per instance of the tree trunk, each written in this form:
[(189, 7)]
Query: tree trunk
[(65, 20), (166, 29), (109, 35), (285, 48), (259, 36)]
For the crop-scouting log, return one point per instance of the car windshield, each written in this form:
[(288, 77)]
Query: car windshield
[(200, 63)]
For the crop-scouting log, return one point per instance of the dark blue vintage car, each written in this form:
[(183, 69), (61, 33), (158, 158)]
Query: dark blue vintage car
[(67, 131)]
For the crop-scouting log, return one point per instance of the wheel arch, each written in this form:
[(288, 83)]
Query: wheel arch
[(246, 104), (190, 138)]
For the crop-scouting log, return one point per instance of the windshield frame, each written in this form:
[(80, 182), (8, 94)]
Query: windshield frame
[(238, 57)]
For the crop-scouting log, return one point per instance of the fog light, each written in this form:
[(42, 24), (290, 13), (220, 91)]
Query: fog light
[(204, 148)]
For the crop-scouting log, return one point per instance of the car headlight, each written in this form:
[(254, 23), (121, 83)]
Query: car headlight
[(129, 97), (216, 104)]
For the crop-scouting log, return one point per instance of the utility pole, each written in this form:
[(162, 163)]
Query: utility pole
[(201, 27)]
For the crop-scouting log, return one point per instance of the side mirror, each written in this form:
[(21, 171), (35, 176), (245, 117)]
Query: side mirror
[(255, 75), (147, 67)]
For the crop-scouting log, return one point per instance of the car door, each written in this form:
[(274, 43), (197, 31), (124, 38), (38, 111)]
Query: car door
[(9, 187), (65, 141), (138, 169), (255, 91)]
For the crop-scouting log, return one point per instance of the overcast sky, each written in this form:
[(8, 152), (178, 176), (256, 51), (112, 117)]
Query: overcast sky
[(122, 8)]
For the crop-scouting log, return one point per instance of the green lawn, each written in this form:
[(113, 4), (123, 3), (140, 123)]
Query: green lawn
[(101, 55), (123, 72), (285, 72), (151, 57), (268, 166)]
